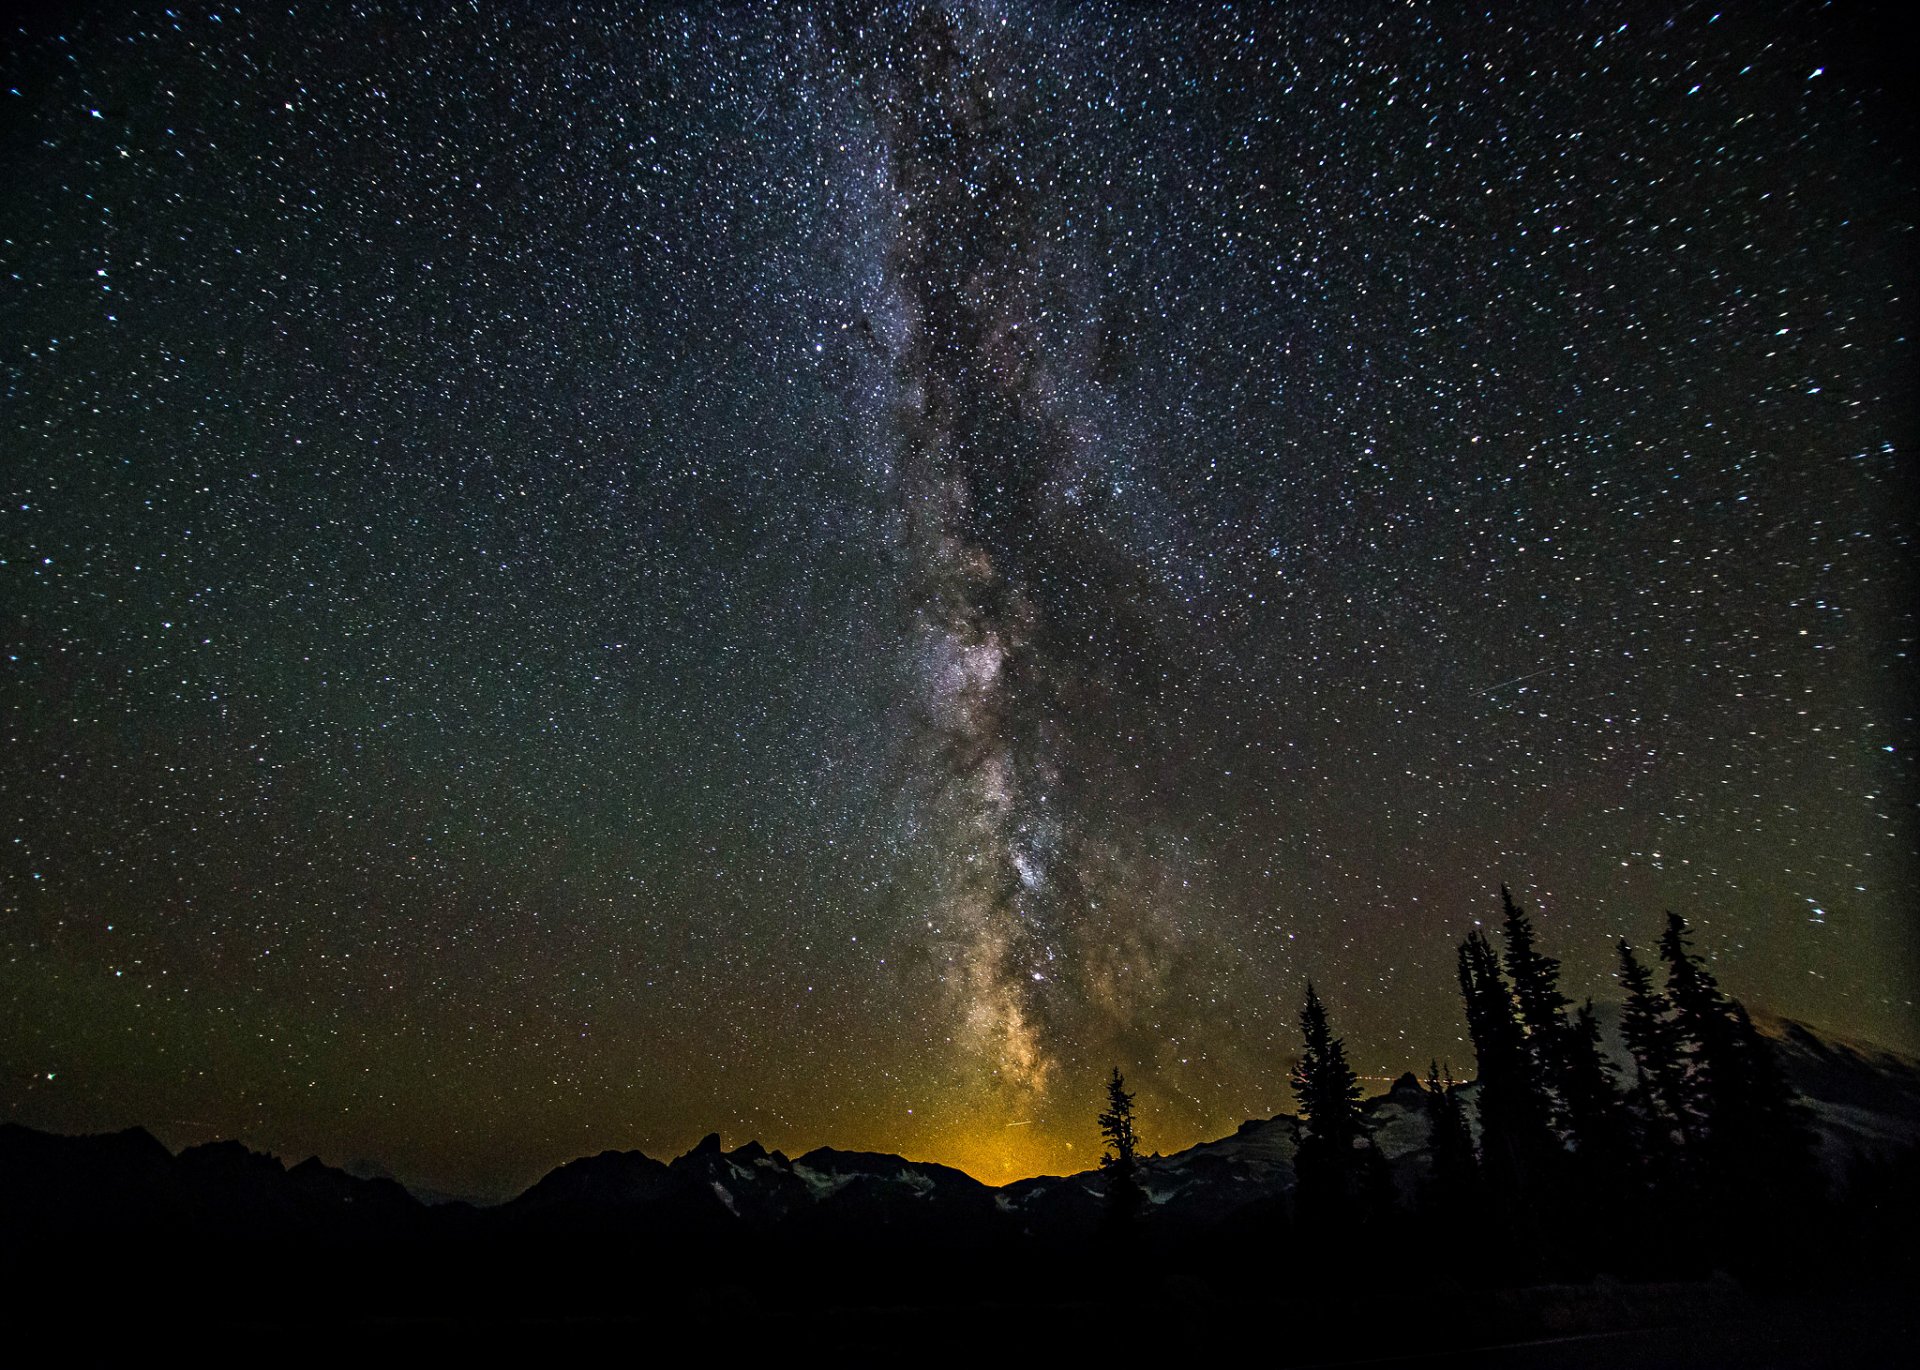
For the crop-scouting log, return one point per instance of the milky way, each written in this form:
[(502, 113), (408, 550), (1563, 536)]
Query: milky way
[(1027, 637), (578, 576)]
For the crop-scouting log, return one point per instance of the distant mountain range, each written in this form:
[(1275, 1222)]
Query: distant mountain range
[(1864, 1101)]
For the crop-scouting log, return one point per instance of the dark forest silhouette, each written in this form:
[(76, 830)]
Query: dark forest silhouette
[(1693, 1163)]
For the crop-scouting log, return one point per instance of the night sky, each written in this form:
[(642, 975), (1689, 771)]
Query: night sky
[(574, 578)]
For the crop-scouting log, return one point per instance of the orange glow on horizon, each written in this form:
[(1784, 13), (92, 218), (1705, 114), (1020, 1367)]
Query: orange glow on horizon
[(999, 1155)]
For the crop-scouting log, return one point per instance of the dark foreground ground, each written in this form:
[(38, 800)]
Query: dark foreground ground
[(726, 1318), (115, 1251)]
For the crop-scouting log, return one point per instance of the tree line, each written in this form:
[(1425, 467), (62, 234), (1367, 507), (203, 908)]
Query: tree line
[(1551, 1160)]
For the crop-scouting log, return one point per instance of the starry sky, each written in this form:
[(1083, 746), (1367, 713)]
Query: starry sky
[(577, 576)]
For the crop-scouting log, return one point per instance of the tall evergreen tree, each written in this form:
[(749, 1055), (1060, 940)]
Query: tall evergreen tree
[(1517, 1145), (1535, 975), (1333, 1165), (1596, 1116), (1541, 1006), (1324, 1085), (1454, 1180), (1751, 1135), (1649, 1036), (1120, 1161), (1499, 1040), (1592, 1096), (1702, 1023)]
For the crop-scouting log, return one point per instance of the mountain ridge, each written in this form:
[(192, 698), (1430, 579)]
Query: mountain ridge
[(1864, 1100)]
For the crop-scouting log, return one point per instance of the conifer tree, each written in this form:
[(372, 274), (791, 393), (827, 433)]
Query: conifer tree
[(1324, 1084), (1125, 1197), (1536, 976), (1499, 1037), (1649, 1035), (1541, 1006), (1596, 1116), (1450, 1143), (1517, 1146), (1751, 1136), (1333, 1162), (1492, 1021), (1702, 1022), (1592, 1097)]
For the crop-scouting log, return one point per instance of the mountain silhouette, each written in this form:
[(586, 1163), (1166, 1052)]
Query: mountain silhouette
[(750, 1247), (1864, 1101)]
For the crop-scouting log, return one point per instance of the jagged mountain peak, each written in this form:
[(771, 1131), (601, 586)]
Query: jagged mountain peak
[(1864, 1100), (1407, 1088)]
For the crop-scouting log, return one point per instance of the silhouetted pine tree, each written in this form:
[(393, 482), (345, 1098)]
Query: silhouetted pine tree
[(1125, 1197), (1602, 1171), (1594, 1110), (1536, 993), (1518, 1149), (1658, 1073), (1336, 1183), (1701, 1020), (1499, 1038), (1751, 1142), (1455, 1178), (1584, 1156), (1499, 1041)]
